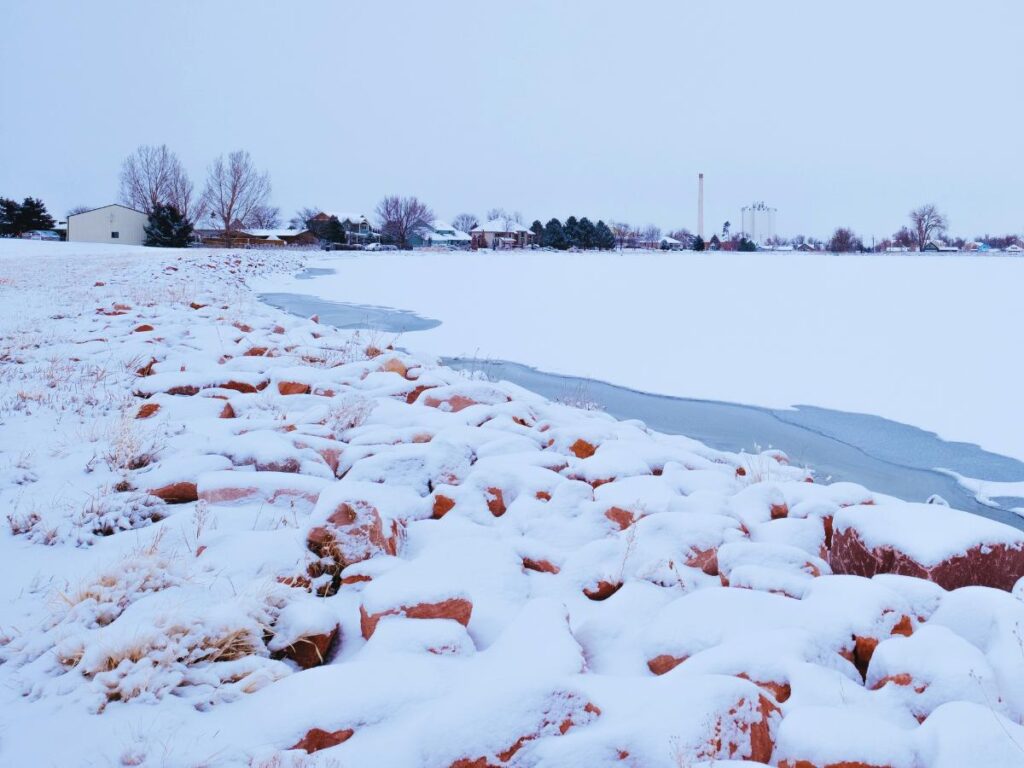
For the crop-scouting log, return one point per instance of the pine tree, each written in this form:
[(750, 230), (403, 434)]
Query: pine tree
[(604, 238), (572, 235), (698, 243), (167, 228), (333, 231), (8, 216), (554, 235), (538, 231), (747, 245), (32, 215), (585, 233)]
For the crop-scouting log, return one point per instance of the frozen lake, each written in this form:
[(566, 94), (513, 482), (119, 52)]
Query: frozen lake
[(884, 455)]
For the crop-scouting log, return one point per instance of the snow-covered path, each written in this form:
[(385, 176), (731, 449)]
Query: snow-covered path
[(926, 341)]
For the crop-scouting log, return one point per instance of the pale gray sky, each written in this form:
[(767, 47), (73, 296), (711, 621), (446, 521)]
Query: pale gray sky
[(835, 113)]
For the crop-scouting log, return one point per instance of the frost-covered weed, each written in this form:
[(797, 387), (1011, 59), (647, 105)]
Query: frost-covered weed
[(347, 411)]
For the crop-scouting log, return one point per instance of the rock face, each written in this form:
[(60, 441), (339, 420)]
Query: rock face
[(352, 533), (457, 608), (311, 651), (317, 739), (951, 548)]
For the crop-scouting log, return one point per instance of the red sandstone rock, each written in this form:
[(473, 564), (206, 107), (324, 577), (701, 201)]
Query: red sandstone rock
[(143, 328), (452, 403), (993, 565), (317, 739), (581, 449), (176, 493), (705, 559), (621, 517), (227, 412), (147, 410), (602, 590), (292, 388), (309, 652), (255, 352), (555, 722), (456, 608), (394, 365), (495, 502), (442, 506), (659, 665), (543, 566)]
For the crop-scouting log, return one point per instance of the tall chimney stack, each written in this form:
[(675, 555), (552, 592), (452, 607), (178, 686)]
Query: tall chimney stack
[(700, 205)]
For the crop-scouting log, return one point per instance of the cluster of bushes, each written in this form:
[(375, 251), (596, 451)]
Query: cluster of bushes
[(575, 233), (16, 218)]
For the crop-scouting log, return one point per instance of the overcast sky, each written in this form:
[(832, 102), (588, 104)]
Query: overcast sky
[(835, 113)]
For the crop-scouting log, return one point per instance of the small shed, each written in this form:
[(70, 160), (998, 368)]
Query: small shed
[(113, 223)]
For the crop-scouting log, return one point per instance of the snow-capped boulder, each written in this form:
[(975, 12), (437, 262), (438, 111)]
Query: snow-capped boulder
[(952, 548)]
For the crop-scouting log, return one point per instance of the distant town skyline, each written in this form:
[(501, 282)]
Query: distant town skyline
[(852, 116)]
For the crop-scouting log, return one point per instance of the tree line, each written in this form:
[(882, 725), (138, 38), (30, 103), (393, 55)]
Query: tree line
[(26, 216)]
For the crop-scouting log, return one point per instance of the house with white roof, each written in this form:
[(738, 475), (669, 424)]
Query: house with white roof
[(501, 233), (440, 233), (669, 244)]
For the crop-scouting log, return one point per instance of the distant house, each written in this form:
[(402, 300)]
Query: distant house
[(714, 244), (1014, 248), (806, 247), (284, 236), (357, 227), (440, 233), (669, 244), (109, 224), (937, 246), (501, 233)]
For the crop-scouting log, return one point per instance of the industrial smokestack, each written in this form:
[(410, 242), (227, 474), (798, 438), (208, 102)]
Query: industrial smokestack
[(700, 205)]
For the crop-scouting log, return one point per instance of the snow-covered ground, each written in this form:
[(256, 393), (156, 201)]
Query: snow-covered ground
[(239, 537), (929, 341)]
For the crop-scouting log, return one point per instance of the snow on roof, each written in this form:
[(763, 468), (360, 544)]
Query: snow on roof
[(276, 234), (669, 240), (355, 218), (501, 225), (112, 205), (442, 230)]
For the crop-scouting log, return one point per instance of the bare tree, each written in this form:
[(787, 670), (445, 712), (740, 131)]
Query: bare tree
[(465, 222), (78, 209), (904, 238), (927, 221), (264, 217), (684, 236), (845, 241), (400, 217), (496, 213), (302, 216), (152, 175), (650, 235), (235, 189), (623, 233)]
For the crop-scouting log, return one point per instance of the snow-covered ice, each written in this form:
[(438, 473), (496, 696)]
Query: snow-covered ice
[(922, 340)]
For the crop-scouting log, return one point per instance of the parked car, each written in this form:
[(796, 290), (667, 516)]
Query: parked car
[(374, 247), (40, 234)]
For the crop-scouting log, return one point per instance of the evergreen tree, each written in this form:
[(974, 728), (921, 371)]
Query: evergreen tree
[(32, 215), (747, 245), (333, 231), (167, 228), (604, 238), (698, 243), (572, 235), (554, 235), (585, 233), (538, 231), (8, 216)]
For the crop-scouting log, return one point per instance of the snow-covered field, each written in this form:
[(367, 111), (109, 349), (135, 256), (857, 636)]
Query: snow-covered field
[(929, 341), (237, 537)]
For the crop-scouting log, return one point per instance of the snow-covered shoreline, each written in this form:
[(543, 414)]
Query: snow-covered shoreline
[(243, 538), (920, 340)]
